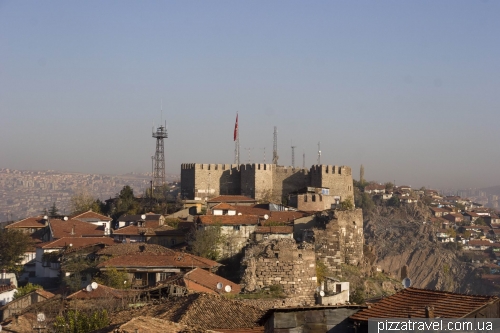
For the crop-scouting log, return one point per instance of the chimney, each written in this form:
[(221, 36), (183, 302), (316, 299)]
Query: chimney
[(429, 312), (73, 230)]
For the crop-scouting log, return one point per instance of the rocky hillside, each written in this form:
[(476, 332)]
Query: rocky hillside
[(401, 244)]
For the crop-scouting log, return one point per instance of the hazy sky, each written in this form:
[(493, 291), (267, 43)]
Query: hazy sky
[(409, 89)]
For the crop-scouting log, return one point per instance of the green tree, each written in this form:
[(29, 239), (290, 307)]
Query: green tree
[(114, 278), (346, 204), (21, 291), (389, 186), (367, 203), (13, 245), (53, 211), (321, 271), (480, 221), (206, 242), (74, 321), (83, 201), (394, 202), (126, 201), (362, 174)]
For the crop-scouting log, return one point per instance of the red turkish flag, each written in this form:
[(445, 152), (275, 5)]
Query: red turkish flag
[(236, 128)]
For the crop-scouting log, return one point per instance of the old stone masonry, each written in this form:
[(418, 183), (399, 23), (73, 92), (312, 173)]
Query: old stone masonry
[(262, 181)]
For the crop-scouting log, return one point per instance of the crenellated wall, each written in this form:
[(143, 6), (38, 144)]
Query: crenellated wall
[(267, 182)]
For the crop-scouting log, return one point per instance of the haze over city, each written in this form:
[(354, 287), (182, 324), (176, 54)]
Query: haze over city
[(409, 90)]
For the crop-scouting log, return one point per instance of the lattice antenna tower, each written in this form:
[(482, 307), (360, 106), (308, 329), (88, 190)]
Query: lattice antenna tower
[(319, 153), (159, 158), (293, 156), (275, 146)]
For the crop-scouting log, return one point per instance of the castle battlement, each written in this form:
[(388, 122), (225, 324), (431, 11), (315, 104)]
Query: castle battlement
[(262, 180)]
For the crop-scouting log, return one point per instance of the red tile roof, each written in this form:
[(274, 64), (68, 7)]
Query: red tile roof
[(479, 242), (228, 219), (223, 206), (286, 216), (91, 215), (274, 230), (76, 242), (175, 259), (231, 198), (252, 210), (134, 248), (102, 291), (30, 222), (74, 228), (412, 301), (210, 281)]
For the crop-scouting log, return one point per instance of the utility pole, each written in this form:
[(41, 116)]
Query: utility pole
[(236, 142), (248, 150)]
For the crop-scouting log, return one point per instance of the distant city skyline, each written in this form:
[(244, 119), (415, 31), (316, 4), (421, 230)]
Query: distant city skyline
[(409, 90)]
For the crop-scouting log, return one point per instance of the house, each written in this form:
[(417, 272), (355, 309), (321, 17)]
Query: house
[(148, 220), (422, 303), (165, 235), (233, 200), (29, 225), (47, 261), (200, 280), (18, 305), (334, 292), (454, 217), (493, 220), (326, 318), (7, 292), (408, 200), (223, 209), (443, 235), (374, 188), (439, 212), (272, 232), (101, 292), (478, 245), (73, 228), (470, 216), (146, 269), (237, 229), (94, 218)]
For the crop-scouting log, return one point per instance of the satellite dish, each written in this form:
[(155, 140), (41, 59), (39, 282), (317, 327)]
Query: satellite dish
[(266, 217), (89, 288), (322, 293), (70, 245), (40, 317), (45, 217), (94, 285), (219, 285), (406, 282), (65, 218), (227, 288), (240, 214), (143, 216)]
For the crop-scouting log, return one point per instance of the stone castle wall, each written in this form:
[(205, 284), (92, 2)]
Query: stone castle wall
[(339, 238), (282, 262), (262, 181)]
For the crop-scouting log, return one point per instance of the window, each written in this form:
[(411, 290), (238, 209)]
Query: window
[(163, 276), (138, 276), (173, 241), (225, 212), (236, 227)]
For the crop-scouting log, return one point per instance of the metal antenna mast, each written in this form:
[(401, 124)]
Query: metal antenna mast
[(303, 160), (275, 146), (248, 150), (293, 156), (159, 158), (319, 153), (264, 154)]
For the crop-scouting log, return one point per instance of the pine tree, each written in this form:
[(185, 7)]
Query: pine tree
[(53, 211), (362, 174)]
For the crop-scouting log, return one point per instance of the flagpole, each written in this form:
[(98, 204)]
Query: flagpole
[(236, 142)]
